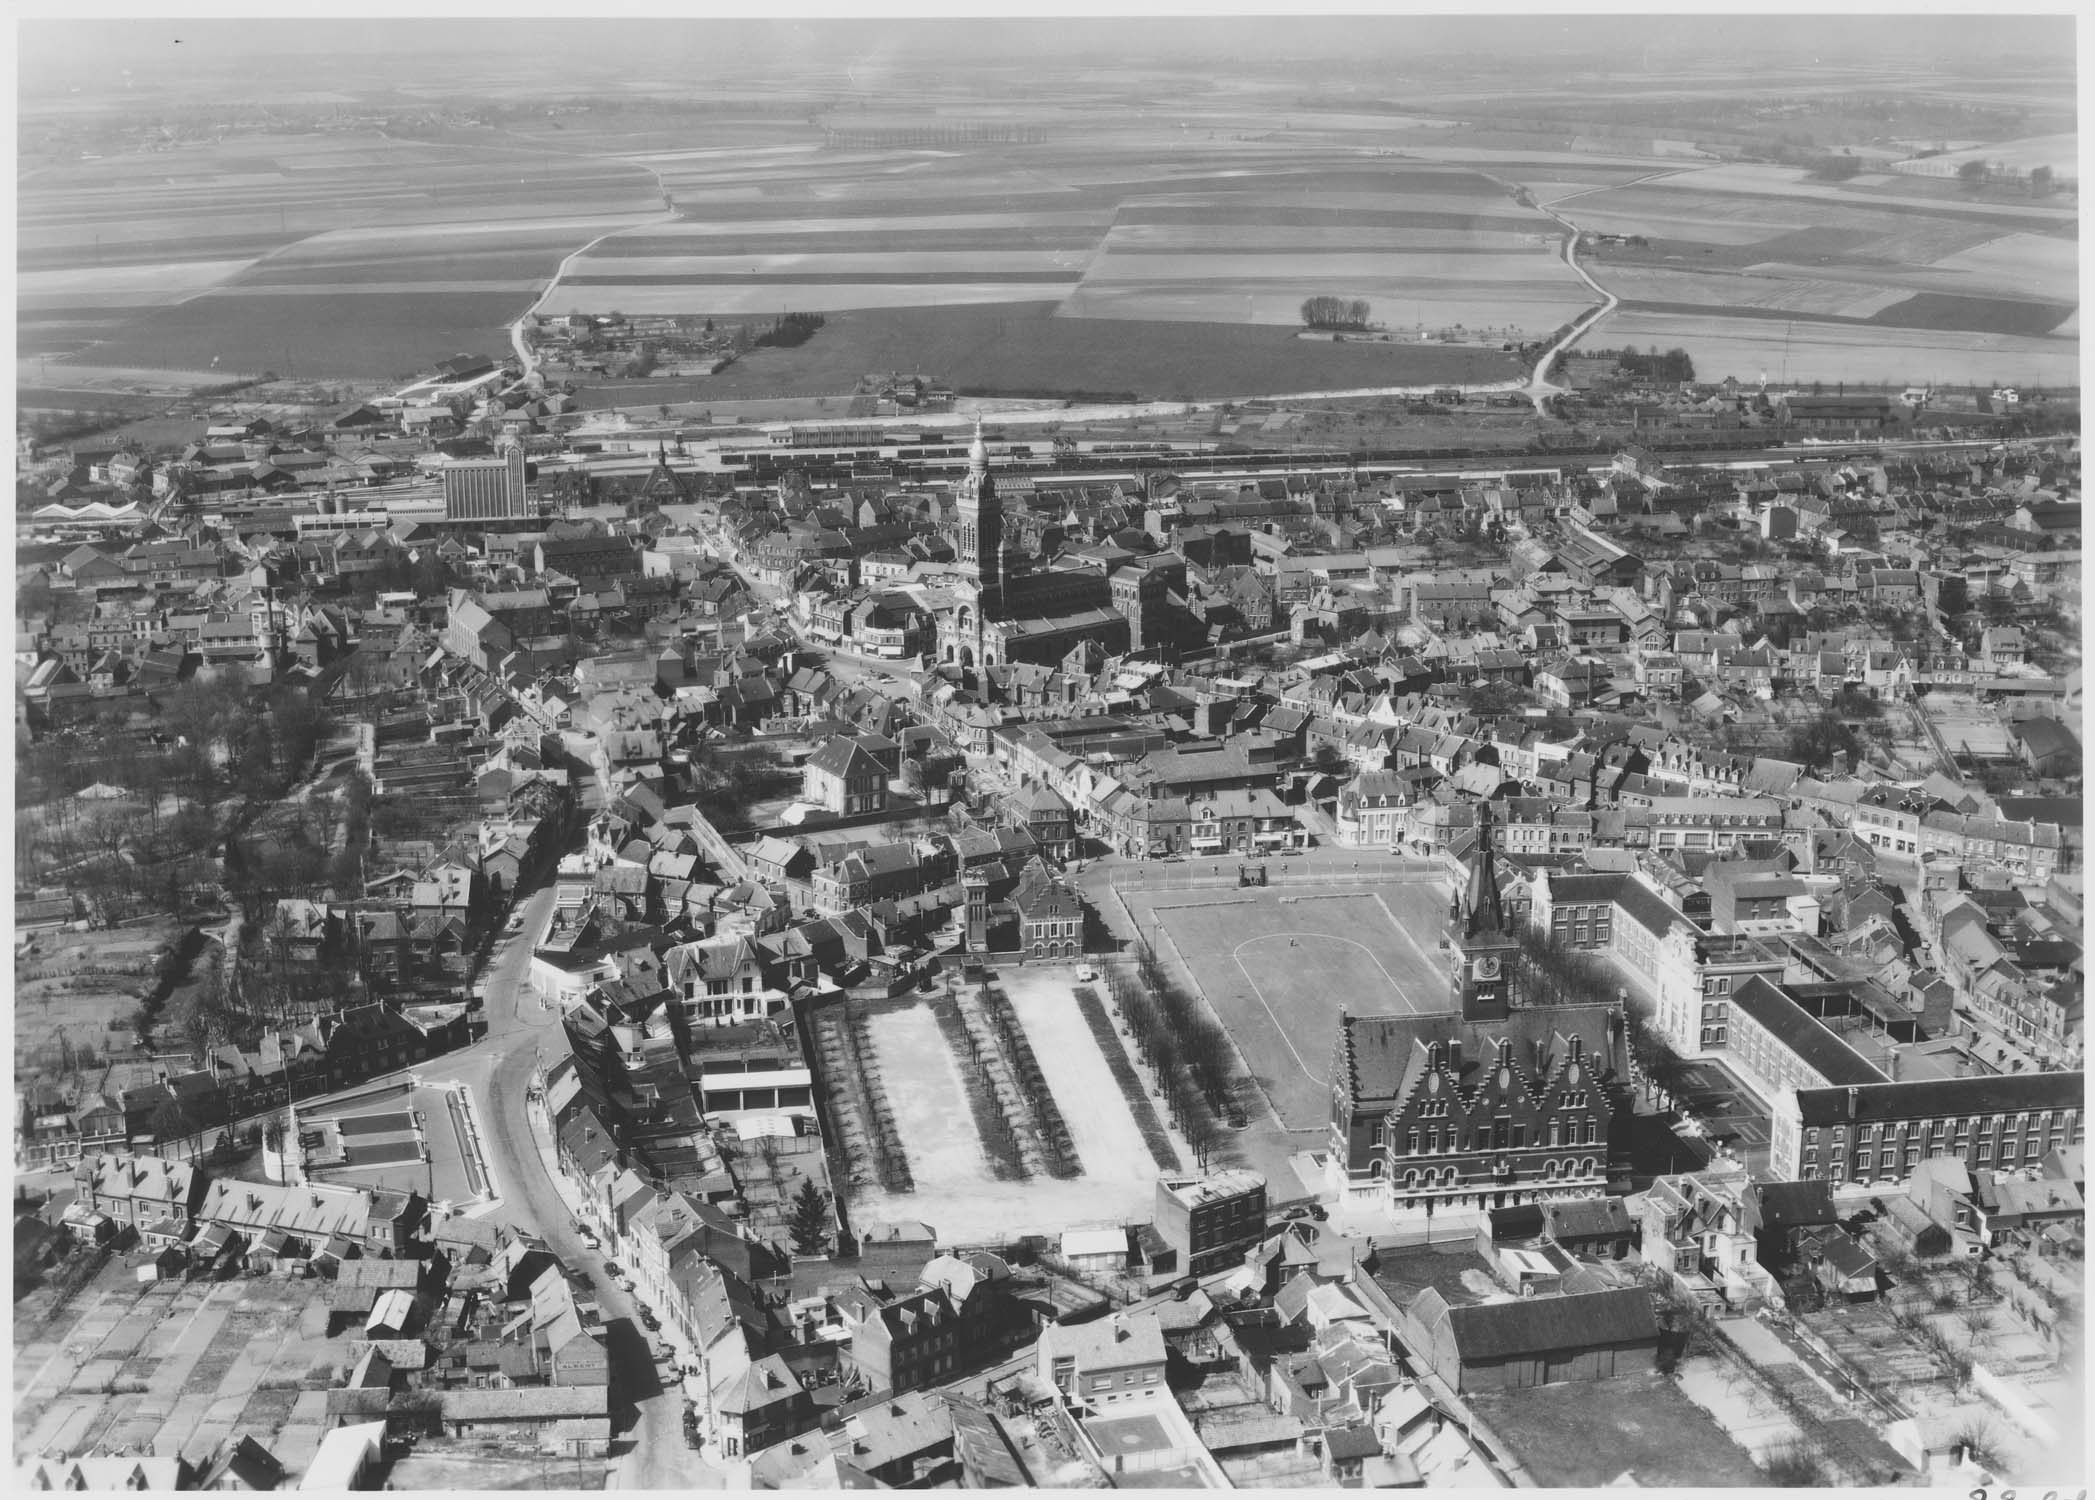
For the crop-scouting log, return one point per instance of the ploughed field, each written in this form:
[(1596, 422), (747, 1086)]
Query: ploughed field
[(1123, 250), (339, 255), (1213, 236), (1757, 269)]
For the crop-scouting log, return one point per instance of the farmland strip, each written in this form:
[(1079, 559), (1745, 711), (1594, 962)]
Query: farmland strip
[(1041, 277), (1926, 311)]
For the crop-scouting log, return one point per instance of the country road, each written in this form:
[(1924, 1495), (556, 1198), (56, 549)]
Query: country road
[(1539, 388)]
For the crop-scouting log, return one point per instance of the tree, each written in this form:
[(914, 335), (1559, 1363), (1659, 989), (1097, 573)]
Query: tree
[(1491, 700), (1335, 312), (1815, 746), (2040, 181), (1972, 173), (809, 1225)]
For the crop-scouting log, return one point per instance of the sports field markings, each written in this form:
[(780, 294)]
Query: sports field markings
[(1432, 963), (1259, 994)]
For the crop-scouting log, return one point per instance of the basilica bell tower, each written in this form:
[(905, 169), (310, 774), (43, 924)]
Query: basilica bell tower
[(978, 530)]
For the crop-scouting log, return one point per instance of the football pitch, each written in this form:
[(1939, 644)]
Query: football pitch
[(1278, 967)]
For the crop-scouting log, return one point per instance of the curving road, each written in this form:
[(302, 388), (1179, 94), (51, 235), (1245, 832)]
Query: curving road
[(649, 1451), (1539, 388)]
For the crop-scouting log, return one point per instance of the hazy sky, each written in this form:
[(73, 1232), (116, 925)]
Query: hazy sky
[(1547, 41)]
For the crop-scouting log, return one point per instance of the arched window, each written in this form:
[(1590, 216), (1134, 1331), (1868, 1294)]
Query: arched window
[(1411, 1182)]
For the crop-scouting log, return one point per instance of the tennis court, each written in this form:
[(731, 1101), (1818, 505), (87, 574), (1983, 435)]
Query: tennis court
[(382, 1153), (381, 1124)]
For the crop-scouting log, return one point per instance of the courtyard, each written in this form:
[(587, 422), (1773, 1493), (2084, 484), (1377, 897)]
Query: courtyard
[(1729, 1113)]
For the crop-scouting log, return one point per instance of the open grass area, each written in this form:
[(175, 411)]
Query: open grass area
[(317, 335), (1021, 349), (1590, 1433), (1277, 968)]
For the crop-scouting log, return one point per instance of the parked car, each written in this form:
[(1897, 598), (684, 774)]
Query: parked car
[(649, 1321), (1087, 974), (611, 1270)]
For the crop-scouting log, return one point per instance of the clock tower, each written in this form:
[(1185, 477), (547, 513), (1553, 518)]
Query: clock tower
[(1487, 951)]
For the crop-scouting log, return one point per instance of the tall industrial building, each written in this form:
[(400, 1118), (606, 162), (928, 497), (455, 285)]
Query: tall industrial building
[(485, 489)]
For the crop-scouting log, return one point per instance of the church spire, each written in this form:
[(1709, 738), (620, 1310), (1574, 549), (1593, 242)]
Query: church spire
[(1485, 914)]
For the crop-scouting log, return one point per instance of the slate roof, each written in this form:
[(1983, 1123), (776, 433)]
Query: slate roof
[(1537, 1325), (1799, 1031), (2006, 1094), (1789, 1205)]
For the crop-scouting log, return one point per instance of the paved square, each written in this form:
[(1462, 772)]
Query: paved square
[(956, 1193), (1278, 966)]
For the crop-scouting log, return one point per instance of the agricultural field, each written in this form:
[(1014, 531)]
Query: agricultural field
[(1024, 349), (1124, 203), (1863, 352), (337, 255), (1227, 235), (1872, 279)]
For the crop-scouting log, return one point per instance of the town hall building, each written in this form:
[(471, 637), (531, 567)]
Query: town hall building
[(1445, 1117)]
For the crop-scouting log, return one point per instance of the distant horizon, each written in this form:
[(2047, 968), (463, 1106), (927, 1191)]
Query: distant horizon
[(97, 56)]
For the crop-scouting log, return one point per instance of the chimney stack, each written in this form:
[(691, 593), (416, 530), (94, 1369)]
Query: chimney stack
[(1854, 1101)]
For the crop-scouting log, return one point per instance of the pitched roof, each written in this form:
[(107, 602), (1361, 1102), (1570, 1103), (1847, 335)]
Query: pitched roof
[(1535, 1325), (2005, 1094)]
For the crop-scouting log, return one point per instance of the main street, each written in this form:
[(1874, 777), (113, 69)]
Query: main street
[(651, 1452)]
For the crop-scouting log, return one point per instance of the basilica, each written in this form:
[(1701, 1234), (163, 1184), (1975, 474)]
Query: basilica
[(990, 616)]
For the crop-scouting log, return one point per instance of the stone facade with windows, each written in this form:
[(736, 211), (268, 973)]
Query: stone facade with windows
[(1450, 1116), (1874, 1133)]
